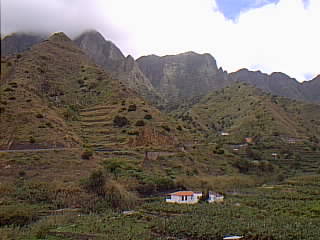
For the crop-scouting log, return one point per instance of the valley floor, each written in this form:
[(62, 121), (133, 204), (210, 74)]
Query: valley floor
[(289, 211)]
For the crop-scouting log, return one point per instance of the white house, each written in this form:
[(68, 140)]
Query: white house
[(225, 134), (215, 197), (190, 197), (232, 237), (187, 197)]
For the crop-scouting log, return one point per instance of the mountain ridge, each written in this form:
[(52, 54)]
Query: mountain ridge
[(171, 79)]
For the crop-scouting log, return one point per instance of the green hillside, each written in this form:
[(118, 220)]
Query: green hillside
[(272, 125)]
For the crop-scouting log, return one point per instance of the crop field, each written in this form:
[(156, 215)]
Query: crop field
[(288, 211)]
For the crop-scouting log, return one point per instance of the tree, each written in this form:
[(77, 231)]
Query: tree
[(96, 183)]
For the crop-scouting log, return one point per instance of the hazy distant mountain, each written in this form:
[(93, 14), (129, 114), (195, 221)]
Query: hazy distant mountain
[(18, 42), (311, 89), (184, 75), (109, 56), (172, 78), (277, 83)]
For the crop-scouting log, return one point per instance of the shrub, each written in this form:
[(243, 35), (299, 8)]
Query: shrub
[(71, 112), (32, 140), (140, 123), (119, 197), (87, 154), (39, 115), (19, 214), (165, 127), (120, 121), (93, 85), (132, 108), (8, 89), (80, 81), (95, 183), (22, 173), (133, 132), (148, 116), (179, 128)]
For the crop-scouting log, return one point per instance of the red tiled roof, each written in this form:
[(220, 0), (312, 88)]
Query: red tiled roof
[(183, 193)]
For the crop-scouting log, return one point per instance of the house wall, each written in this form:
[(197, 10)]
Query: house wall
[(182, 199), (215, 198)]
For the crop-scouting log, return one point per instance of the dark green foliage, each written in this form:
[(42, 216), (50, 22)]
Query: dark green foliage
[(80, 81), (148, 116), (93, 85), (18, 214), (95, 183), (132, 108), (166, 127), (120, 121), (8, 89), (32, 139), (39, 115), (253, 154), (87, 154), (218, 150), (140, 123), (71, 113), (133, 132), (205, 196)]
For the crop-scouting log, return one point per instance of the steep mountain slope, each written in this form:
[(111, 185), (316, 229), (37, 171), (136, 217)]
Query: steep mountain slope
[(184, 75), (311, 89), (18, 42), (278, 84), (247, 111), (54, 95), (109, 56), (239, 115)]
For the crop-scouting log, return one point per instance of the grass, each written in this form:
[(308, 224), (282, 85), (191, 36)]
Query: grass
[(286, 211)]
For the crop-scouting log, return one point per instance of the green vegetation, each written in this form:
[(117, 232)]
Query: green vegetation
[(286, 211), (110, 151)]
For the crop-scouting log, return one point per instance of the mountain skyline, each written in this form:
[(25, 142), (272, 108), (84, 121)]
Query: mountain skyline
[(34, 38), (271, 36), (172, 79)]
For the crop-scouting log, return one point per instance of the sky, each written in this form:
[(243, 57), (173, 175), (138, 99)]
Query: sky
[(266, 35)]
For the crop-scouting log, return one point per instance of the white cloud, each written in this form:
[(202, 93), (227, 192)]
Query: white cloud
[(276, 37)]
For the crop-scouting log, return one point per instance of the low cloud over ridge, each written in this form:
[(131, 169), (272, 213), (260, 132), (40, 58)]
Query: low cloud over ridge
[(276, 37)]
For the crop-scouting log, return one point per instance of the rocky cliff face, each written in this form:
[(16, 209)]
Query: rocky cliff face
[(311, 89), (109, 56), (184, 75), (18, 42), (276, 83)]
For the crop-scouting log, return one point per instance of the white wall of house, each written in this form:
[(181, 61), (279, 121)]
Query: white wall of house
[(182, 199), (213, 197), (194, 198)]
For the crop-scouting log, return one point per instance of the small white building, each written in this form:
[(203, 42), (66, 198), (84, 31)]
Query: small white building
[(215, 197), (190, 197), (225, 134), (232, 237), (187, 197)]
